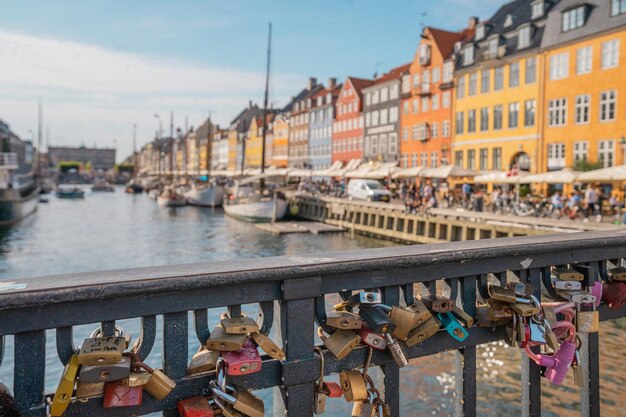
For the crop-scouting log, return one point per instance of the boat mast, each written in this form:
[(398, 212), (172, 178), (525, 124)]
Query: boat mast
[(267, 83), (208, 147), (134, 150), (39, 141)]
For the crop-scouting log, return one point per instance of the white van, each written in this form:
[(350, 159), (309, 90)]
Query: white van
[(369, 190)]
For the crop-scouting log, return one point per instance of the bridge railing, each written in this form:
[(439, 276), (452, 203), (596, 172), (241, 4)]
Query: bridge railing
[(291, 292)]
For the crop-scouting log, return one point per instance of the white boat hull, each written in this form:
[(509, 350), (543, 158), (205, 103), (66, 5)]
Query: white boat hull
[(258, 211), (211, 196), (168, 202)]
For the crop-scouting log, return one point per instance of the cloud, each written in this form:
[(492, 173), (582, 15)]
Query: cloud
[(92, 94)]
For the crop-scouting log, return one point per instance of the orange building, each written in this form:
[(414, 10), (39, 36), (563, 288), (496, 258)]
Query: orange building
[(426, 109), (348, 129)]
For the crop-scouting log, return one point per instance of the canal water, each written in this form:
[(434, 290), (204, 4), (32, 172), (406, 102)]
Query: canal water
[(116, 230)]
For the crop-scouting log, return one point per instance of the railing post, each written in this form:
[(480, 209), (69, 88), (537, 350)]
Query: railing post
[(29, 369), (175, 348), (531, 372), (590, 363), (391, 296), (466, 358)]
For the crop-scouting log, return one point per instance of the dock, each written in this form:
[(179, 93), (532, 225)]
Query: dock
[(314, 228)]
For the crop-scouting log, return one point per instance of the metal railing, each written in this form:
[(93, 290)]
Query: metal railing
[(291, 294)]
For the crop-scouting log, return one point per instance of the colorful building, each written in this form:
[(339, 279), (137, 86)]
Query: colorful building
[(280, 146), (299, 125), (584, 47), (348, 128), (498, 80), (426, 114), (382, 116), (321, 117), (254, 142), (238, 133)]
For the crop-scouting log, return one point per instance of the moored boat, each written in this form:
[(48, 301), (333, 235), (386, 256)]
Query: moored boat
[(210, 195), (102, 186), (256, 208), (70, 193), (133, 188), (170, 198)]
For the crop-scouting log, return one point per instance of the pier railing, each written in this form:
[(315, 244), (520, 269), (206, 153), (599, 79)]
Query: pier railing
[(291, 292)]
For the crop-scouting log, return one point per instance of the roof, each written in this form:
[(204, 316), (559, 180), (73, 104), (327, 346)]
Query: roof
[(393, 74), (244, 118), (359, 84), (445, 39), (302, 94)]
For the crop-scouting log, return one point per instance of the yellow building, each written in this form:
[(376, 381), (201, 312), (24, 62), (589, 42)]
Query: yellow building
[(496, 125), (280, 144), (585, 53), (233, 146), (254, 142)]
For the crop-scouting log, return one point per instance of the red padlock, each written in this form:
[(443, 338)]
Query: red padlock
[(332, 389), (371, 339), (614, 294), (244, 361), (119, 394), (195, 407)]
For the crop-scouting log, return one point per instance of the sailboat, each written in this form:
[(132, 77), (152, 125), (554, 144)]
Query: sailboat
[(258, 204)]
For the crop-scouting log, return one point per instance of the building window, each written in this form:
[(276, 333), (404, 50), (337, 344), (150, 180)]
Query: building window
[(384, 94), (471, 121), (529, 113), (480, 32), (435, 102), (473, 81), (583, 60), (483, 156), (374, 148), (468, 55), (559, 66), (405, 134), (414, 159), (384, 116), (537, 9), (416, 105), (556, 156), (581, 109), (368, 119), (514, 74), (493, 47), (581, 151), (484, 119), (434, 130), (393, 92), (531, 70), (460, 88), (606, 153), (375, 118), (573, 19), (458, 158), (618, 7), (405, 107), (368, 99), (447, 72), (459, 122), (557, 112), (496, 159), (471, 159), (406, 84), (434, 159), (610, 54), (445, 100), (498, 78), (416, 80), (445, 128), (607, 105), (523, 38), (424, 104), (415, 132), (424, 159), (436, 74), (513, 114), (393, 114), (484, 84), (497, 117)]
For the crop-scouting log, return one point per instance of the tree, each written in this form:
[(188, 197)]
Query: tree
[(584, 165)]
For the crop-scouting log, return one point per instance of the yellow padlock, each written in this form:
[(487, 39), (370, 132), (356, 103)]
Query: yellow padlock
[(64, 391)]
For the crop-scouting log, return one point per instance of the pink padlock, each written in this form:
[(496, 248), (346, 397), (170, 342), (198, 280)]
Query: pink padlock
[(371, 339), (615, 294), (596, 291), (561, 361), (244, 361)]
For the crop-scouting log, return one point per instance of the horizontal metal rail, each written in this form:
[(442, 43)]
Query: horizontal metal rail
[(290, 291)]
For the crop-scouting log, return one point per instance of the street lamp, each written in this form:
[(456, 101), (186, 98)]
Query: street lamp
[(160, 126)]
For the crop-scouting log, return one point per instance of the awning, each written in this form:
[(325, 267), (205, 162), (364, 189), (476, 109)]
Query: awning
[(501, 177), (617, 173), (407, 172), (328, 172), (448, 171), (300, 173), (563, 176), (380, 171)]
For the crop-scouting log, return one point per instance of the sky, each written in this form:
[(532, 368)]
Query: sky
[(99, 67)]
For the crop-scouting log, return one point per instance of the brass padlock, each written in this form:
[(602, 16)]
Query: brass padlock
[(248, 404), (420, 311), (268, 346), (617, 274), (341, 342), (353, 385), (224, 342), (159, 385), (239, 325), (101, 350), (568, 274), (203, 360), (499, 310), (89, 389), (438, 304), (344, 320), (423, 332), (504, 294), (106, 373), (484, 318), (363, 409), (587, 321), (525, 310), (466, 319), (65, 388), (404, 321), (137, 379)]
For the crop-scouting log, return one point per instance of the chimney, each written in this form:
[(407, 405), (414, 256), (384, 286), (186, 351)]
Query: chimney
[(312, 82), (332, 83), (250, 103), (472, 22)]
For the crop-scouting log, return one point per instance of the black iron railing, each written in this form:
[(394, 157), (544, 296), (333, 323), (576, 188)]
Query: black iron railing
[(291, 293)]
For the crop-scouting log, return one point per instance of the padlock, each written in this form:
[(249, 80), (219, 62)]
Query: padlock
[(137, 379), (524, 310), (537, 332), (324, 389), (195, 407), (268, 346), (239, 325), (101, 350), (483, 316), (344, 320), (499, 310), (614, 294), (159, 385), (577, 370), (88, 389), (568, 274), (396, 351), (617, 274), (106, 373), (332, 389), (566, 285), (503, 294), (404, 320), (202, 361), (382, 409), (377, 320), (371, 339), (463, 317), (587, 321), (423, 332), (364, 409), (65, 389), (241, 400), (8, 407), (353, 385), (550, 336), (578, 297), (452, 326), (562, 360), (420, 311), (120, 394), (438, 304), (511, 337), (319, 402), (341, 342), (244, 361), (224, 342), (365, 298), (226, 409), (521, 289)]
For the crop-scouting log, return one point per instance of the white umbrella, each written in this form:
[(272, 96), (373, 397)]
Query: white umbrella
[(501, 177), (563, 176), (617, 173), (380, 171), (448, 171), (407, 172)]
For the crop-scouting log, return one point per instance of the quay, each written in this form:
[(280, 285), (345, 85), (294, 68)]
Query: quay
[(314, 228), (390, 221)]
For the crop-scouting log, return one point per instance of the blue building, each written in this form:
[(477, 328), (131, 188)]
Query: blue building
[(321, 116)]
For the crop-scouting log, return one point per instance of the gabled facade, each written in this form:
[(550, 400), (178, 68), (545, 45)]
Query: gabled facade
[(585, 84), (238, 133), (219, 149), (427, 99), (496, 125), (299, 125), (382, 116), (321, 117), (348, 127), (280, 147), (254, 142)]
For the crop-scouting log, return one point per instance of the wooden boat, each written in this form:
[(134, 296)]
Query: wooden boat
[(70, 193), (210, 195), (170, 198)]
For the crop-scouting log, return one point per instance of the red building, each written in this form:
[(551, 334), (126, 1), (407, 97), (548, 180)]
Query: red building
[(348, 128)]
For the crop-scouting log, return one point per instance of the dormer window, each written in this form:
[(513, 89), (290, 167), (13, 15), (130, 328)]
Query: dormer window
[(493, 47), (457, 47), (308, 103), (508, 21), (424, 55), (468, 55), (523, 37), (329, 98), (573, 18), (537, 9), (480, 31), (319, 101)]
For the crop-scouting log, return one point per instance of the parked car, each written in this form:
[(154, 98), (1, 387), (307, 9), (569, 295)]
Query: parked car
[(369, 190)]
